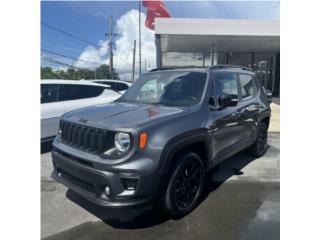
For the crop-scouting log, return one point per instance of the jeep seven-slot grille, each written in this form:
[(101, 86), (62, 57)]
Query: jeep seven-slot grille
[(86, 138)]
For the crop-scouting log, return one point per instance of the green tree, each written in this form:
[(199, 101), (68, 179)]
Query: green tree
[(72, 74), (48, 73), (101, 72), (86, 74)]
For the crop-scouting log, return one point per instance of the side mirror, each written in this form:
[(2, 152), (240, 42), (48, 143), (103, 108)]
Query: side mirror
[(228, 100), (211, 102), (269, 96)]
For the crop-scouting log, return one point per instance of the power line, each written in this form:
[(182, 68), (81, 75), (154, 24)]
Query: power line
[(65, 56), (68, 34), (59, 62), (96, 5)]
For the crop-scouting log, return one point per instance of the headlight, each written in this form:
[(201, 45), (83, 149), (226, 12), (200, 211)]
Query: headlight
[(122, 141)]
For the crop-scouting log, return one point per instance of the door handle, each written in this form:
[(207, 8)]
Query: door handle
[(236, 114), (251, 108)]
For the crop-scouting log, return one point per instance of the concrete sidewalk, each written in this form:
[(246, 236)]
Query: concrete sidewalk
[(275, 117)]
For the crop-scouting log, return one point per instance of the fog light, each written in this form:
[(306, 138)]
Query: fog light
[(107, 190), (129, 183)]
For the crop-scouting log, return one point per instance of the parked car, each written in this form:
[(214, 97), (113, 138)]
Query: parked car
[(116, 85), (61, 96), (157, 141)]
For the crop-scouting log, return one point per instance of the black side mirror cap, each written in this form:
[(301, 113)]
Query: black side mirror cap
[(228, 100), (212, 102)]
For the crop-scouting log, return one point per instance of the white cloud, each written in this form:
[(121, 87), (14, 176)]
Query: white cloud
[(92, 57), (128, 30)]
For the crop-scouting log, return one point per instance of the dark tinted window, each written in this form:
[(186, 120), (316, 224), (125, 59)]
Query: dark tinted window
[(115, 85), (247, 85), (121, 86), (73, 92), (226, 83), (49, 93), (111, 84)]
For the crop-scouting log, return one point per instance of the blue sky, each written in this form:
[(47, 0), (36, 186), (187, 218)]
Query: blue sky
[(88, 20)]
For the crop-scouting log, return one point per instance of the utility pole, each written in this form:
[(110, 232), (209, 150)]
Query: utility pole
[(134, 59), (203, 59), (110, 49), (139, 38)]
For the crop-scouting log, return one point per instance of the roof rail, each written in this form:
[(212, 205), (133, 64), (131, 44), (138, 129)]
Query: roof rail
[(218, 66), (221, 66), (172, 68), (157, 69)]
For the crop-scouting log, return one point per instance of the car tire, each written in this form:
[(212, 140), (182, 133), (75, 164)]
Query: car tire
[(184, 186), (259, 147)]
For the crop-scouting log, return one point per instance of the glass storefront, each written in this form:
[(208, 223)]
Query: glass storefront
[(177, 59)]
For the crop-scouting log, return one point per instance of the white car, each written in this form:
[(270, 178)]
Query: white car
[(116, 85), (61, 96)]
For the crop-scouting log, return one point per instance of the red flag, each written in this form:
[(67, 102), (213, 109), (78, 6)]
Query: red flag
[(155, 9)]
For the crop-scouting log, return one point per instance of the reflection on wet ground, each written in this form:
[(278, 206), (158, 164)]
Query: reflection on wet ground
[(236, 210)]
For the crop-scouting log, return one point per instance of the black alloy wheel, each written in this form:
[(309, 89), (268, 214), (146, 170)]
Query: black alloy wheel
[(185, 185), (262, 138), (259, 147)]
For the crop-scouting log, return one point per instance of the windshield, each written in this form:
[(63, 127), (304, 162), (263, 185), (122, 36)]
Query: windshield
[(171, 88)]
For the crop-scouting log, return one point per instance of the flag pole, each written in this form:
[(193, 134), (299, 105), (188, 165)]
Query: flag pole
[(139, 37)]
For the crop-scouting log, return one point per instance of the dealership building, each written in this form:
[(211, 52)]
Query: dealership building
[(206, 42)]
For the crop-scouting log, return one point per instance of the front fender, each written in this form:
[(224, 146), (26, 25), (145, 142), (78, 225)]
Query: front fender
[(180, 142)]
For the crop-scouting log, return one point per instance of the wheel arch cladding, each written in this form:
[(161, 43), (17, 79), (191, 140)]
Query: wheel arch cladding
[(195, 141), (266, 119)]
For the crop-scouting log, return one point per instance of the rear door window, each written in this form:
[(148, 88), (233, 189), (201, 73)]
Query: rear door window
[(111, 84), (116, 86), (246, 85), (75, 92), (226, 83), (49, 93), (121, 87)]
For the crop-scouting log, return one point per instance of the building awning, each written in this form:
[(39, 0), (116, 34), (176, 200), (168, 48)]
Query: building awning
[(217, 35)]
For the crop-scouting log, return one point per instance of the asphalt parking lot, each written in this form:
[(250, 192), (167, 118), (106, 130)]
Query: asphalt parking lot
[(241, 201)]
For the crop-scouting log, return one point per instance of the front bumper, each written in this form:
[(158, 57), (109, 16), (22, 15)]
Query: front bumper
[(91, 183)]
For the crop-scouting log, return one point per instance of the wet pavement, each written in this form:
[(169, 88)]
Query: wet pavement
[(241, 201)]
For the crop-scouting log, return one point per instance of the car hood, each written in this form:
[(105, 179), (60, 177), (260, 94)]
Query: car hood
[(118, 115)]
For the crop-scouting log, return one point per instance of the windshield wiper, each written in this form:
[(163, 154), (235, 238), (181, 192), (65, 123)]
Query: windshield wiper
[(155, 103), (162, 104)]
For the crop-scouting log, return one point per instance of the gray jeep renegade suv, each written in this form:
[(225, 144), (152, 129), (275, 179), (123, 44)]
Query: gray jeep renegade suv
[(157, 141)]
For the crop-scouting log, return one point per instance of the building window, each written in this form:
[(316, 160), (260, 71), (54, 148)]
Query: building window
[(240, 59), (178, 59), (264, 65)]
